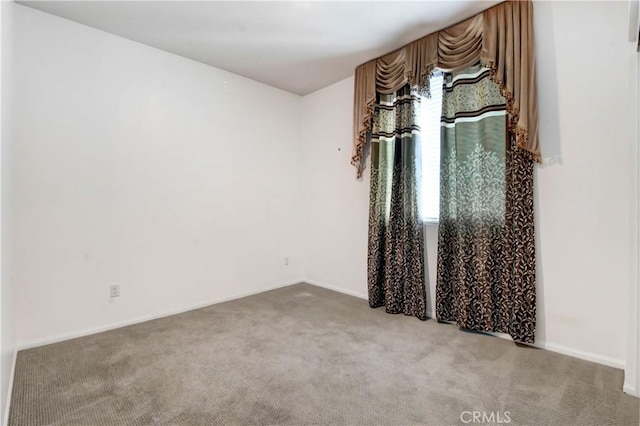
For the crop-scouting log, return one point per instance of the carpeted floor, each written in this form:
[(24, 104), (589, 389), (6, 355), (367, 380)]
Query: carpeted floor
[(306, 355)]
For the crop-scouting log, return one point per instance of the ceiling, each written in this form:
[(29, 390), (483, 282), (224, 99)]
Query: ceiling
[(297, 46)]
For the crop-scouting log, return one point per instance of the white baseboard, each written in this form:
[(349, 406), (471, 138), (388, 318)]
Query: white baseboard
[(587, 356), (630, 389), (338, 289), (7, 405), (565, 350), (553, 347), (576, 353), (94, 330)]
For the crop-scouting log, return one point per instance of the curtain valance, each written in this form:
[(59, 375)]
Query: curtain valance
[(500, 38)]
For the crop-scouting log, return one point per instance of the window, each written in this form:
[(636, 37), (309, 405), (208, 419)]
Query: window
[(431, 110)]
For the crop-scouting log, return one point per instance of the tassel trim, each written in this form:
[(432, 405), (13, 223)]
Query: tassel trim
[(365, 127), (520, 135)]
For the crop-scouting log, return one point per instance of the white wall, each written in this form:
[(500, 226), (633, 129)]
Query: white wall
[(7, 292), (134, 166), (335, 204), (584, 199), (632, 371), (583, 190)]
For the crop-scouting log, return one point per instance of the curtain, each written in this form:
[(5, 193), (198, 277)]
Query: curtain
[(500, 38), (396, 236), (486, 250)]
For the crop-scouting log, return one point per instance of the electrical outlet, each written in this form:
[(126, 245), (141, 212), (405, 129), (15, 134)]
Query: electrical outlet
[(114, 290), (286, 261)]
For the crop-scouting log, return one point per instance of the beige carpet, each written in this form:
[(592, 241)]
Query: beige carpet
[(306, 355)]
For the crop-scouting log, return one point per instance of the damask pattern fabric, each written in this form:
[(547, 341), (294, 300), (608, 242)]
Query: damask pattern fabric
[(486, 250), (521, 240), (396, 237)]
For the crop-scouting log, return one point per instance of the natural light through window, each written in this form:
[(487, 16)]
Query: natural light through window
[(431, 110)]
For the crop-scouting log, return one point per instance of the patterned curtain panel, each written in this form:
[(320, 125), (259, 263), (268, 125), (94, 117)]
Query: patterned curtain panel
[(486, 250), (396, 236)]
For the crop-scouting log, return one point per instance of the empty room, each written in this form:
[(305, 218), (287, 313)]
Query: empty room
[(320, 212)]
